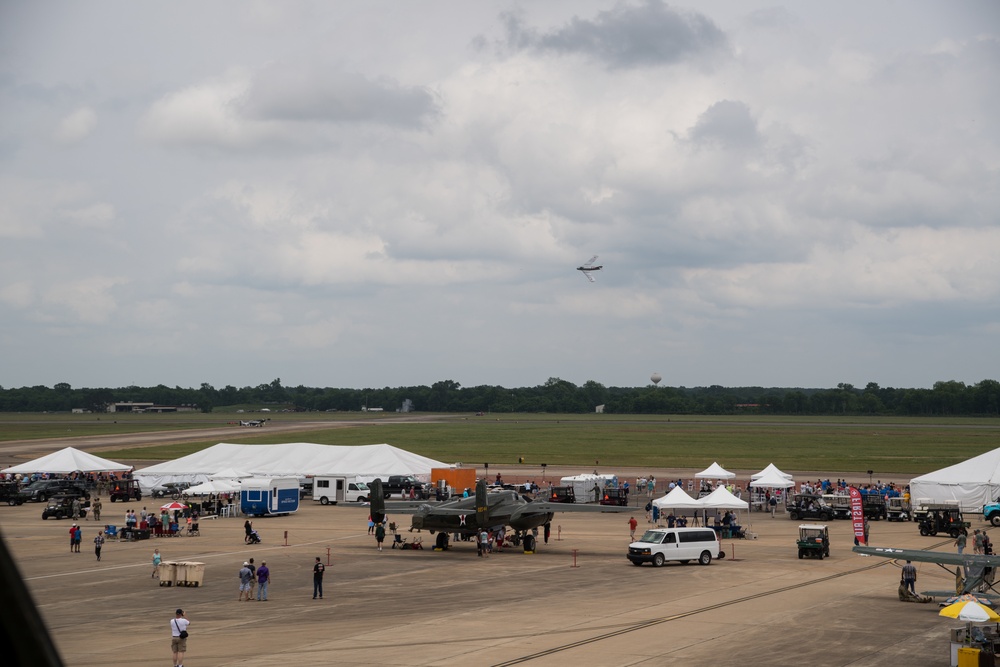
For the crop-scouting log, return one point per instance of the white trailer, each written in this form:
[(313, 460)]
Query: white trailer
[(333, 489)]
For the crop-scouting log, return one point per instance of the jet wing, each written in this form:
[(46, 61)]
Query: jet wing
[(545, 506), (589, 276), (920, 556)]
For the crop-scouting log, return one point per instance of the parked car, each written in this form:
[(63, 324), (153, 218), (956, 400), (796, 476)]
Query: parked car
[(125, 489), (9, 493), (41, 490), (171, 489)]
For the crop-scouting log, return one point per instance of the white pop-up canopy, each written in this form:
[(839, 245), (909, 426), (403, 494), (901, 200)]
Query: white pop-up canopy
[(66, 461), (677, 499), (773, 480), (214, 486), (715, 471), (723, 499), (771, 469), (971, 483)]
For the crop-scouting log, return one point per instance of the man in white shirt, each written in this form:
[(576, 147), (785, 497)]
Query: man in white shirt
[(178, 644)]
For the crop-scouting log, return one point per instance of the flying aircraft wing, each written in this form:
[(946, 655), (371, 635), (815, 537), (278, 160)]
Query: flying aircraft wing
[(589, 276), (590, 261), (941, 557)]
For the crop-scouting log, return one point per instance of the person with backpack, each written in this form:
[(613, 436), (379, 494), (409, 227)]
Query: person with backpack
[(178, 637)]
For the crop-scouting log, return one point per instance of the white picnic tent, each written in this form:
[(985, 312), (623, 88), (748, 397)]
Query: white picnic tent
[(67, 461), (723, 499), (715, 471), (768, 471), (213, 487), (971, 483), (295, 459), (678, 499)]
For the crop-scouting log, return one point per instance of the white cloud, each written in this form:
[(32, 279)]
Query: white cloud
[(75, 127)]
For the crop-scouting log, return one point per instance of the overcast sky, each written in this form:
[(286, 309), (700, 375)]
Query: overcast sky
[(374, 194)]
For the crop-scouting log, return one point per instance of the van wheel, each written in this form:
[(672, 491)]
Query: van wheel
[(705, 558), (324, 501), (658, 560)]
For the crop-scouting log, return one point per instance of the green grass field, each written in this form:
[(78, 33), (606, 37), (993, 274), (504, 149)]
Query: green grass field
[(850, 445)]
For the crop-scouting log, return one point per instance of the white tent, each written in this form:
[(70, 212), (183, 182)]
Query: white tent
[(768, 471), (297, 459), (774, 481), (230, 473), (66, 461), (677, 499), (723, 499), (213, 486), (972, 483), (715, 471)]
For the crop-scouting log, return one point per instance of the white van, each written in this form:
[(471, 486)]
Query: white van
[(333, 489), (660, 545)]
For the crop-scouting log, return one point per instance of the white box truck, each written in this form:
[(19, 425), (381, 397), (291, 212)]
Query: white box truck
[(333, 489)]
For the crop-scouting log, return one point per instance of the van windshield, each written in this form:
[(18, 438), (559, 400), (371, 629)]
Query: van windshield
[(652, 536)]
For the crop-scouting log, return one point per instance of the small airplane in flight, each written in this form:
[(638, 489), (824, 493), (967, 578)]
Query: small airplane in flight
[(252, 422), (467, 516), (974, 574), (588, 268)]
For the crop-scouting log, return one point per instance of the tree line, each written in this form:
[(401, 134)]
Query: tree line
[(949, 398)]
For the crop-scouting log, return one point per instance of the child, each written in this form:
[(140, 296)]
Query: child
[(156, 563)]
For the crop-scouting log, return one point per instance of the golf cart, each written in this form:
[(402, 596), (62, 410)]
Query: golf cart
[(943, 520), (814, 540)]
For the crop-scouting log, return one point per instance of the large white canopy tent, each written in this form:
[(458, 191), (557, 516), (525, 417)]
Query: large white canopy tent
[(715, 471), (67, 461), (971, 483), (296, 459)]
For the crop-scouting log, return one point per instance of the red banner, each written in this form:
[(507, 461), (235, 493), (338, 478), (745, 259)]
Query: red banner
[(857, 515)]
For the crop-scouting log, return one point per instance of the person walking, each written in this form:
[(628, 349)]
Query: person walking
[(263, 579), (157, 559), (379, 535), (371, 525), (178, 637), (98, 544), (910, 577), (632, 524), (245, 576), (960, 541), (318, 570)]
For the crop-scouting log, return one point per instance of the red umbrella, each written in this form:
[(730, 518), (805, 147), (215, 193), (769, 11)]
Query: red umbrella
[(170, 507)]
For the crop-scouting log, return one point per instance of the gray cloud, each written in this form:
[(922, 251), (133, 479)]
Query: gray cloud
[(648, 34), (726, 124)]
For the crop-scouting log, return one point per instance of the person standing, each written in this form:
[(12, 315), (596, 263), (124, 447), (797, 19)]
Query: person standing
[(263, 579), (318, 569), (371, 525), (178, 637), (546, 531), (253, 578), (75, 508), (77, 538), (96, 508), (157, 559), (484, 543), (72, 537), (98, 544), (379, 535), (632, 524), (910, 576), (977, 544), (245, 576)]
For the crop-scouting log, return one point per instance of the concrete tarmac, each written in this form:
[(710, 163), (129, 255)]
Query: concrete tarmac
[(576, 600)]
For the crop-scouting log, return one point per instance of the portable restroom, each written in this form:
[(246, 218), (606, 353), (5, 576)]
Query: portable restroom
[(261, 496)]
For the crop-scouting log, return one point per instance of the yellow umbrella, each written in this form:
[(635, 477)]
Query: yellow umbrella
[(970, 610)]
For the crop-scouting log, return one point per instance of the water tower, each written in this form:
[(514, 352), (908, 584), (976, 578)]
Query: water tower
[(655, 378)]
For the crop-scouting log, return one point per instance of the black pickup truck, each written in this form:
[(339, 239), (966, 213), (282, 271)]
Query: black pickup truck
[(400, 485)]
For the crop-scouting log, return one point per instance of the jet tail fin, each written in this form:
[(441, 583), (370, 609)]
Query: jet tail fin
[(377, 499), (482, 504)]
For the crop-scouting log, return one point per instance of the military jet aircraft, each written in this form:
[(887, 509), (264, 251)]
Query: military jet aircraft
[(252, 422), (974, 574), (588, 268), (467, 516)]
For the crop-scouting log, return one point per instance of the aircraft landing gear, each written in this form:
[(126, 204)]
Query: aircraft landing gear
[(441, 542), (529, 543)]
